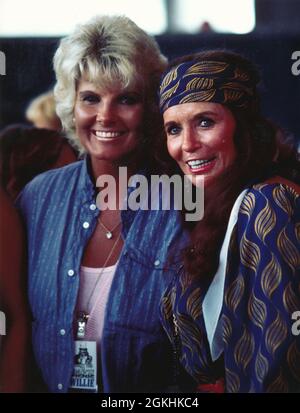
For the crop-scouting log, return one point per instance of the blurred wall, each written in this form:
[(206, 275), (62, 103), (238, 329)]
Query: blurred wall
[(277, 16)]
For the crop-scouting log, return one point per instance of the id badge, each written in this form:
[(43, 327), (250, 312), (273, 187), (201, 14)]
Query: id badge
[(84, 376)]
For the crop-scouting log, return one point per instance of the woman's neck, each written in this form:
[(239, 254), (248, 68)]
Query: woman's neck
[(112, 169)]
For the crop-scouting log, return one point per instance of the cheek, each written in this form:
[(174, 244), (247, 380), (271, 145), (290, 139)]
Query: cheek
[(173, 149), (82, 117), (227, 146)]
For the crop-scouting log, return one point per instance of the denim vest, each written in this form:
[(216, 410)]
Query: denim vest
[(60, 214)]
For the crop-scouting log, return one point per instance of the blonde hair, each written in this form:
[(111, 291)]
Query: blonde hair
[(42, 109), (106, 50)]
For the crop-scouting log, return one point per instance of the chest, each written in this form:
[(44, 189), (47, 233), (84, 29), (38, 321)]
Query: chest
[(102, 251)]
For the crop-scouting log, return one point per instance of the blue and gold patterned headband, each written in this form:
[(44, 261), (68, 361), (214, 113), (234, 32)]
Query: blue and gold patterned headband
[(206, 81)]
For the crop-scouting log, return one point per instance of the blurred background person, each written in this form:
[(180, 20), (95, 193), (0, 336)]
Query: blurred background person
[(28, 151), (42, 112)]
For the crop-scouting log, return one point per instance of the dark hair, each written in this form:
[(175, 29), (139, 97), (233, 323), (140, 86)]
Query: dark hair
[(26, 152), (263, 151)]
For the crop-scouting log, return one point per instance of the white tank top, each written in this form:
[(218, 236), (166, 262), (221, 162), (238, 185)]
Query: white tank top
[(93, 296)]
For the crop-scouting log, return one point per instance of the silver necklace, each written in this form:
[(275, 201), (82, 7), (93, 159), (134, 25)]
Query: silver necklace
[(108, 232), (83, 316)]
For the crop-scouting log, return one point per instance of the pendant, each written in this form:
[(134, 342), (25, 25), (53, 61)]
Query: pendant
[(109, 235), (81, 325)]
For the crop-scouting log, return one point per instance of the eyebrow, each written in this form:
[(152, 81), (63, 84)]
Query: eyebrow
[(125, 91), (131, 92), (84, 92)]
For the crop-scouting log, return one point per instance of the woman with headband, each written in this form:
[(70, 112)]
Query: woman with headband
[(230, 313)]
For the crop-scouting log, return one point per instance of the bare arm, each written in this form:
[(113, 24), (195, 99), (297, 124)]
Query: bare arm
[(14, 349)]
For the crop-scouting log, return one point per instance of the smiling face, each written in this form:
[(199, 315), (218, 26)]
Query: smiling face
[(108, 122), (200, 139)]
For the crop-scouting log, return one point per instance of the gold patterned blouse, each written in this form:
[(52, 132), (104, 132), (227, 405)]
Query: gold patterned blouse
[(261, 300)]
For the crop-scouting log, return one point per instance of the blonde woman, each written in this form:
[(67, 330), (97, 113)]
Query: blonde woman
[(96, 278)]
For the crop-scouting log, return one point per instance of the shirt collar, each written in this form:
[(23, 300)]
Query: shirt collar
[(87, 181)]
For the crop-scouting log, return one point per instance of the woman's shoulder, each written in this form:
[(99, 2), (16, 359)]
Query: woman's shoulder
[(50, 182), (58, 173), (278, 182), (55, 175), (275, 190), (270, 205)]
